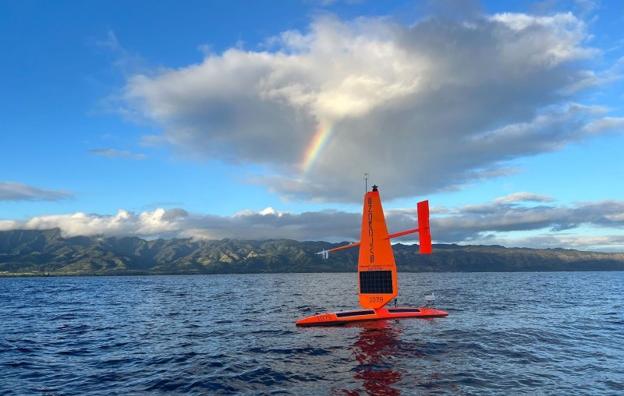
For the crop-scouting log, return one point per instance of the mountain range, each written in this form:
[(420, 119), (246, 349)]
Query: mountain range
[(47, 252)]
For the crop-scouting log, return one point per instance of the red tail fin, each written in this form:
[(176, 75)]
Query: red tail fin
[(424, 235)]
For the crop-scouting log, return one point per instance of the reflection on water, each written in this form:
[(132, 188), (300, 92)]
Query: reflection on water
[(374, 349), (520, 333), (379, 346), (376, 346)]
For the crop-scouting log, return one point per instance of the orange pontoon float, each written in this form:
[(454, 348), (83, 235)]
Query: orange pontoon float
[(377, 272)]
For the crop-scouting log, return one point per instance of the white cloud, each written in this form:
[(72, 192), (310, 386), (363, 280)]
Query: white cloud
[(498, 221), (115, 153), (422, 108), (270, 211), (6, 225), (560, 36), (523, 197), (159, 222), (12, 191), (124, 60), (606, 124)]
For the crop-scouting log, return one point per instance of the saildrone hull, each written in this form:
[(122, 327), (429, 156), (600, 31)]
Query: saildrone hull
[(345, 317)]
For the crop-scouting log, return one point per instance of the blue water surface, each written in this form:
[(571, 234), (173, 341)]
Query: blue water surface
[(506, 333)]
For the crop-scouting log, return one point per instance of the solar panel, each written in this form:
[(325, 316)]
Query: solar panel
[(355, 313), (376, 282)]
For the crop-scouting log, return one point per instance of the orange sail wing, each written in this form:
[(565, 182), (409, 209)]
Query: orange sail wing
[(377, 271)]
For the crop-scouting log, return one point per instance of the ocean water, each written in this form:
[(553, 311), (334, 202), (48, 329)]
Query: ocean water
[(506, 333)]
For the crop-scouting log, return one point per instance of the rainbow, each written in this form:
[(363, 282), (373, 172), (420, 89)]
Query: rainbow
[(320, 139)]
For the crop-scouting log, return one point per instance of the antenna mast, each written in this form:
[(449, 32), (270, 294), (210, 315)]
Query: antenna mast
[(365, 183)]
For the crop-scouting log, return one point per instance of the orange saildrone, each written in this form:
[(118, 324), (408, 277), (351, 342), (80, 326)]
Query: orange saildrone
[(377, 272)]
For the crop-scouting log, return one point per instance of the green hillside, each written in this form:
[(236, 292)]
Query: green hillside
[(32, 252)]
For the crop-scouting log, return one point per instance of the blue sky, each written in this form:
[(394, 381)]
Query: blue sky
[(110, 105)]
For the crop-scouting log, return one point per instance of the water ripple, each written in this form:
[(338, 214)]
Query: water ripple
[(524, 333)]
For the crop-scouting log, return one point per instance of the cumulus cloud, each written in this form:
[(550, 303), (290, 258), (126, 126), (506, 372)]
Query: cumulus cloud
[(493, 222), (12, 191), (159, 222), (115, 153), (425, 107)]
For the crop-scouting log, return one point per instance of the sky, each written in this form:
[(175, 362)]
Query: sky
[(257, 120)]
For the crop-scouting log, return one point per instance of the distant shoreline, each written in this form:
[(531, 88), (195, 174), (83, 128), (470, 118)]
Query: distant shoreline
[(41, 253), (121, 275)]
